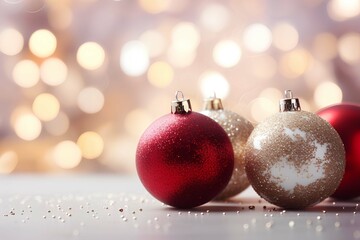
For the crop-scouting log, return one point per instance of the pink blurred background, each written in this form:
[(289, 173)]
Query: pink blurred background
[(81, 80)]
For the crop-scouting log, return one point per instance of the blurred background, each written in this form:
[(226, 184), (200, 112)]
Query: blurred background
[(82, 79)]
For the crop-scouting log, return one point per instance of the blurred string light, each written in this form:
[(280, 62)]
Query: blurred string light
[(294, 64), (90, 55), (42, 43), (185, 39), (11, 41), (340, 10), (213, 82), (53, 71), (160, 74), (154, 6), (257, 38), (91, 145), (349, 47), (285, 36), (27, 126), (8, 162), (66, 154), (227, 53), (26, 73), (215, 17), (90, 100), (46, 106), (327, 93), (134, 58)]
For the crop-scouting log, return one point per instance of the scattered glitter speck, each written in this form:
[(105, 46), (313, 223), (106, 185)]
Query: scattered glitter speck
[(291, 224), (319, 228), (337, 224), (246, 226), (268, 225)]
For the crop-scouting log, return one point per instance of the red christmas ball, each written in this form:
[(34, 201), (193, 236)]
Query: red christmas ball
[(184, 159), (345, 118)]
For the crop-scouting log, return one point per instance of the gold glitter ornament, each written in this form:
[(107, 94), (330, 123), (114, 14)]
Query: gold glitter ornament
[(294, 159), (238, 130)]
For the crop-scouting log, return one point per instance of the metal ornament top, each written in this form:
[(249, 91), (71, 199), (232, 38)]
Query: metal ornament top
[(213, 103), (289, 103), (180, 105)]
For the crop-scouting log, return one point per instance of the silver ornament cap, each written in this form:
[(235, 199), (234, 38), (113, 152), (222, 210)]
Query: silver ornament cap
[(213, 103), (180, 105), (289, 103)]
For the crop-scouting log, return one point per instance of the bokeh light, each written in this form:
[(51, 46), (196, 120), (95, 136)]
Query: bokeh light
[(179, 58), (11, 41), (67, 154), (134, 58), (42, 43), (27, 127), (8, 162), (185, 36), (90, 55), (349, 47), (257, 38), (46, 106), (91, 144), (90, 100), (285, 36), (154, 6), (214, 17), (160, 74), (340, 10), (294, 64), (53, 71), (327, 93), (227, 53), (26, 73), (213, 82)]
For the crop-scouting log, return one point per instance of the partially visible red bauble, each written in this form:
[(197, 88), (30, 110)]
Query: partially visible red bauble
[(184, 159), (345, 118)]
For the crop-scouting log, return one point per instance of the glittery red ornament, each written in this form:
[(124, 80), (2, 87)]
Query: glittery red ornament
[(345, 118), (184, 159)]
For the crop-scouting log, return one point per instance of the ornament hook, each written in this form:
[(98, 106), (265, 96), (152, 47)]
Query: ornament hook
[(177, 93), (288, 94)]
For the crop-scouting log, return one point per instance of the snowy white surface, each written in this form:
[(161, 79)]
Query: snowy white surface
[(117, 207)]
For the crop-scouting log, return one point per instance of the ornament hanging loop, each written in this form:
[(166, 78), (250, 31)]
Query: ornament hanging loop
[(289, 103), (180, 105)]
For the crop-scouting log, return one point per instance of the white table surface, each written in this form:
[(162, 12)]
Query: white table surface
[(118, 207)]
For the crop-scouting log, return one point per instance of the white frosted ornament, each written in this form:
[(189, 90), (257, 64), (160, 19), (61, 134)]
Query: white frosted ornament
[(294, 159), (238, 130)]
